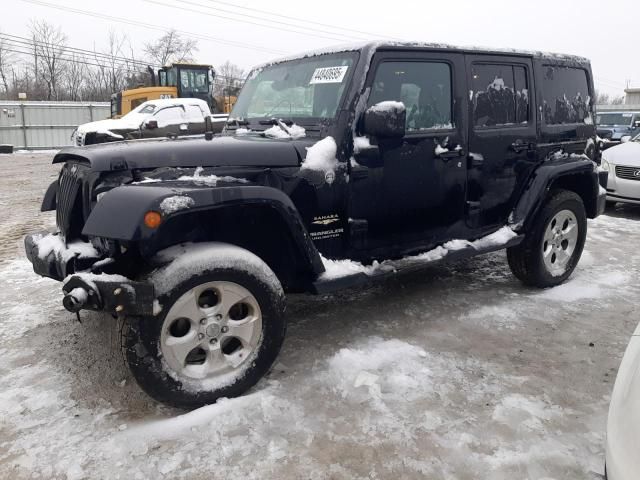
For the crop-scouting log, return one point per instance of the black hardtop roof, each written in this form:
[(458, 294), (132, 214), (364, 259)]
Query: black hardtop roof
[(371, 47)]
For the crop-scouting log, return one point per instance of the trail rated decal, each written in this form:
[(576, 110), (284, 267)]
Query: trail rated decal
[(328, 75)]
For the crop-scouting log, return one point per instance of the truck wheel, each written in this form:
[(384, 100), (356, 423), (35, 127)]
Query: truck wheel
[(552, 248), (220, 329)]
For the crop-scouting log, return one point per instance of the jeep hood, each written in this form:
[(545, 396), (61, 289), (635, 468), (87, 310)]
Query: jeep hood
[(627, 154), (190, 152)]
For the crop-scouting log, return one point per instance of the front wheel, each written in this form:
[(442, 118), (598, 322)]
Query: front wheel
[(553, 246), (220, 329)]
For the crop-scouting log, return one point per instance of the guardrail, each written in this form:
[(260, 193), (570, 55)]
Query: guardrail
[(45, 125)]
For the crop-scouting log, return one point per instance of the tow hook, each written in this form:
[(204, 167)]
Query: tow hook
[(75, 300)]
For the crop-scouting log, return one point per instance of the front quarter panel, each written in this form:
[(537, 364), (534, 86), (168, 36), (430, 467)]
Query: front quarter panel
[(119, 215)]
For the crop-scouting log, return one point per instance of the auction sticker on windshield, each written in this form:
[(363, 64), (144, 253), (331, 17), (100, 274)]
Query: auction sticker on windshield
[(329, 75)]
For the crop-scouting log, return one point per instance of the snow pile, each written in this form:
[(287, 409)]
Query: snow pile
[(518, 411), (585, 286), (387, 106), (175, 203), (360, 144), (55, 243), (240, 132), (283, 131), (276, 132), (341, 268), (210, 180), (321, 156), (379, 366)]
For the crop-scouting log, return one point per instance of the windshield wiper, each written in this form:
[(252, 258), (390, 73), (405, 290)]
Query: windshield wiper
[(280, 123), (238, 122)]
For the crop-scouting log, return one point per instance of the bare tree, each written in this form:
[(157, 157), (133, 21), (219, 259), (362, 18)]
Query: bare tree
[(229, 79), (50, 44), (7, 58), (171, 48), (74, 79), (602, 98)]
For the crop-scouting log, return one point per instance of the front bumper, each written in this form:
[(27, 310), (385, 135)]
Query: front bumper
[(622, 189), (86, 290), (53, 265)]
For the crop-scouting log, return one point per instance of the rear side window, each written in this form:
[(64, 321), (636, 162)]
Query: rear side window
[(194, 114), (566, 95), (423, 87), (500, 95)]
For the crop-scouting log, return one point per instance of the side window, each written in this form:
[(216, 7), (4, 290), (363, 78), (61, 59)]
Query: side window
[(170, 116), (194, 114), (566, 95), (500, 95), (423, 87)]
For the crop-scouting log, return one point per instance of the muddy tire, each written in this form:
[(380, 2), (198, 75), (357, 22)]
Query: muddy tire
[(553, 246), (219, 331)]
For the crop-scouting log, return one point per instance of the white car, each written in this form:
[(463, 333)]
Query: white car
[(623, 164), (623, 425), (153, 118)]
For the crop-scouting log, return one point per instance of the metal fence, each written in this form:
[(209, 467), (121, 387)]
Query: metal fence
[(43, 125)]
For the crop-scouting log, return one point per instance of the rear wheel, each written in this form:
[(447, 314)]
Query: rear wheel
[(553, 246), (218, 333)]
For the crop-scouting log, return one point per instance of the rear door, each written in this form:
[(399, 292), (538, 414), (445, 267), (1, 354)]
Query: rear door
[(502, 136), (415, 196)]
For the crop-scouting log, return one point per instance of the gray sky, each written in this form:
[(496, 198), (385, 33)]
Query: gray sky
[(605, 32)]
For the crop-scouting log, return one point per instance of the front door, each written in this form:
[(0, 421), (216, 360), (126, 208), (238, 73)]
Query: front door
[(502, 136), (414, 196)]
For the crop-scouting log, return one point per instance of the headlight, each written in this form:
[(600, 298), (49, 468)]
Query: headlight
[(99, 196), (605, 165)]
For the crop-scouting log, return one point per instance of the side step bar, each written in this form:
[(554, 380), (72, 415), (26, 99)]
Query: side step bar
[(321, 286)]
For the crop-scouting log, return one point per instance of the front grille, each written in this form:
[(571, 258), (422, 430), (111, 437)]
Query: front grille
[(628, 173), (68, 189)]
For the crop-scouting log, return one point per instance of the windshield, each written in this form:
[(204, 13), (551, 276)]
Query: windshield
[(310, 88), (614, 119)]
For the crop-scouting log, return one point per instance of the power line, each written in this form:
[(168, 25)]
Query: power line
[(68, 60), (152, 26), (298, 19), (73, 50), (350, 37), (200, 12), (83, 61)]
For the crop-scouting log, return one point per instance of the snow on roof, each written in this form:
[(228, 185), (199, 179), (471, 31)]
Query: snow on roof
[(170, 102), (352, 47)]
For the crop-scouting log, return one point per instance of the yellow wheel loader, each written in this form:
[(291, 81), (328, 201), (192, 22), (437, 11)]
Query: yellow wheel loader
[(178, 80)]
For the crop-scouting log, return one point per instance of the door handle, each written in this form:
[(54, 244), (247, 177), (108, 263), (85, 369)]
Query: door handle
[(519, 146), (449, 154)]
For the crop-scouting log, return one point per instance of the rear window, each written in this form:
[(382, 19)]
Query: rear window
[(566, 95)]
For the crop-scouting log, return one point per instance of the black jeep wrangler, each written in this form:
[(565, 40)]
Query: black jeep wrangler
[(334, 168)]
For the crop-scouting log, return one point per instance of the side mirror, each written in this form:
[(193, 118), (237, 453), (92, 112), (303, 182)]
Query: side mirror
[(625, 139), (385, 120), (636, 124), (151, 124)]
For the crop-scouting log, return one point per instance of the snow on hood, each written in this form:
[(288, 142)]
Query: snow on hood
[(109, 125), (321, 156), (624, 154)]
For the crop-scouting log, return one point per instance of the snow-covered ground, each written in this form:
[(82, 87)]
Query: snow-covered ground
[(454, 372)]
